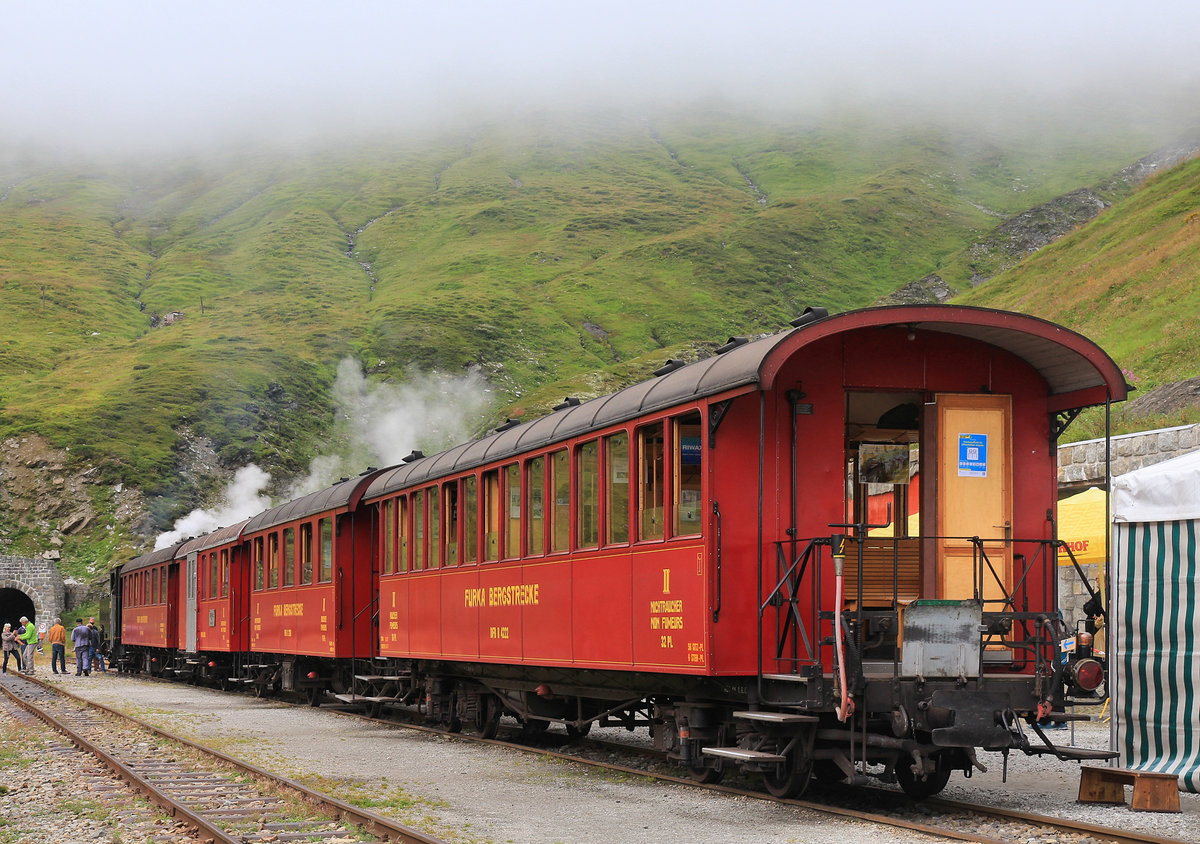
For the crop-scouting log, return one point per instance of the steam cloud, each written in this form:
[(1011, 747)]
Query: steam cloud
[(377, 425)]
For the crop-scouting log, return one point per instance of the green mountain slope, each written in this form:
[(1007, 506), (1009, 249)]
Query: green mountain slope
[(539, 251), (1130, 278)]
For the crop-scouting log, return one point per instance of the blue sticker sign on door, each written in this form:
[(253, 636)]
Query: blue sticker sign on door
[(972, 455)]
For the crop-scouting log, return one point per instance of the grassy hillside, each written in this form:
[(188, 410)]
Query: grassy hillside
[(1130, 279), (540, 251)]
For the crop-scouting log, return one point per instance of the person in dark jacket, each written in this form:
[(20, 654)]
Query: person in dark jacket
[(96, 637), (81, 639)]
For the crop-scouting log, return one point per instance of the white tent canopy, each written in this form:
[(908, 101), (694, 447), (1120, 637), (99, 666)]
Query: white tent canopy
[(1154, 619), (1164, 492)]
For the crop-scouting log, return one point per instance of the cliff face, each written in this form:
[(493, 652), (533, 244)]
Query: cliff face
[(49, 498)]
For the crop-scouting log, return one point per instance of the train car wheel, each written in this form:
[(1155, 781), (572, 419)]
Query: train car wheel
[(918, 789), (487, 717), (533, 727), (575, 733), (793, 778), (707, 776)]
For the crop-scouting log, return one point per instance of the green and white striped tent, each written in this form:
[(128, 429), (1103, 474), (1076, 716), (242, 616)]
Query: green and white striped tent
[(1154, 619)]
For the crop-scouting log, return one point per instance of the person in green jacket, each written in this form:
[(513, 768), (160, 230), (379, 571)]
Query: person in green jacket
[(30, 639)]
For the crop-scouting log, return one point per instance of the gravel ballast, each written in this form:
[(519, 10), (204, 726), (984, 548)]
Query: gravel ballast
[(470, 792)]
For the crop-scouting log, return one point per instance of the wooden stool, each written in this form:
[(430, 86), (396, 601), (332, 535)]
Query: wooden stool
[(1152, 792)]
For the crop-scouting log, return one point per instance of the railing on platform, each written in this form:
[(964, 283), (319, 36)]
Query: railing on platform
[(1022, 625)]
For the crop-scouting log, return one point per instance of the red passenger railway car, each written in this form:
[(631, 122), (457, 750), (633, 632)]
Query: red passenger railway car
[(148, 592), (735, 553), (213, 614)]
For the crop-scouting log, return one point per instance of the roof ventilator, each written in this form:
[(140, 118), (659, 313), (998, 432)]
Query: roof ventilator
[(809, 315), (732, 343), (670, 366), (414, 455), (508, 423), (569, 401)]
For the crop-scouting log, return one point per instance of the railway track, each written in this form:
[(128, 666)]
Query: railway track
[(947, 818), (226, 801), (936, 817), (952, 819)]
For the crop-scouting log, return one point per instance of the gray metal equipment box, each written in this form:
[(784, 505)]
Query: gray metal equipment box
[(941, 639)]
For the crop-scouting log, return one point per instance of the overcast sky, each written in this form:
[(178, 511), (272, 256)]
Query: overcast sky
[(113, 71)]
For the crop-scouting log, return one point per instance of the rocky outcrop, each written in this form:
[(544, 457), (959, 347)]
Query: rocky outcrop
[(1021, 235)]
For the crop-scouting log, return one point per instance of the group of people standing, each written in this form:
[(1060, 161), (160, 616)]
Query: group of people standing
[(24, 641)]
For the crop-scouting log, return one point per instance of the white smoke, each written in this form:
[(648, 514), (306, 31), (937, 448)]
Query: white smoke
[(380, 423), (243, 497), (377, 424)]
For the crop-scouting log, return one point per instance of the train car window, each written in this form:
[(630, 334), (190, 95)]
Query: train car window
[(325, 527), (512, 499), (418, 532), (258, 562), (154, 586), (651, 462), (470, 520), (616, 490), (560, 513), (435, 527), (402, 532), (224, 572), (214, 574), (491, 515), (272, 561), (306, 554), (289, 556), (535, 532), (450, 515), (689, 456), (587, 492), (162, 585), (387, 515)]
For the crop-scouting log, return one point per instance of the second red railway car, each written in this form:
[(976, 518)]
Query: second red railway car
[(735, 552)]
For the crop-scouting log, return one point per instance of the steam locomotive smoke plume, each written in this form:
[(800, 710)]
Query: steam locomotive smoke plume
[(381, 423), (376, 425), (244, 496)]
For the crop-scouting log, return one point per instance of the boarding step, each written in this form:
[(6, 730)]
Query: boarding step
[(352, 699), (374, 699), (786, 678), (1152, 791), (777, 717), (742, 755), (1076, 754)]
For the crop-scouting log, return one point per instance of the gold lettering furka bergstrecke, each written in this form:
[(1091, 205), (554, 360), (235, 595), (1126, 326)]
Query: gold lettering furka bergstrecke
[(514, 595)]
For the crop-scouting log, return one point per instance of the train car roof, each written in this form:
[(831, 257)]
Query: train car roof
[(154, 558), (220, 536), (1077, 371), (342, 496)]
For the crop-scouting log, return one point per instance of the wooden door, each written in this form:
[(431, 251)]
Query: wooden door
[(974, 439)]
